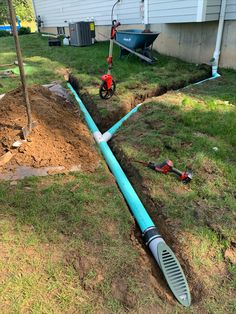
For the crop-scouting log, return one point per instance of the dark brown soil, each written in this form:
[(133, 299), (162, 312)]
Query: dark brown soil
[(60, 137)]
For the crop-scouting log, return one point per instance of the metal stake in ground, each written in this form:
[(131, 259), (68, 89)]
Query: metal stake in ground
[(26, 130)]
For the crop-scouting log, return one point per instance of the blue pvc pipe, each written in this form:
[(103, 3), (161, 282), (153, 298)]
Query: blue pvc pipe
[(208, 79), (175, 278), (118, 124), (127, 190), (109, 133), (87, 116), (143, 219), (215, 76)]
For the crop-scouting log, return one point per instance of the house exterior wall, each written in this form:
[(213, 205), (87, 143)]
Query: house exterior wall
[(61, 12), (194, 42), (169, 11), (213, 10), (231, 10), (56, 13)]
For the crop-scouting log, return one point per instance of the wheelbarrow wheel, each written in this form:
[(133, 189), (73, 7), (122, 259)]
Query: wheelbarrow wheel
[(106, 93)]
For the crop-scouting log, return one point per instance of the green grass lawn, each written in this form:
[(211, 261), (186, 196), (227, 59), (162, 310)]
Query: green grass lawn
[(89, 63), (67, 249), (134, 78), (194, 128)]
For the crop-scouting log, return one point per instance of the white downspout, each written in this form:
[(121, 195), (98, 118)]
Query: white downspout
[(146, 14), (216, 55)]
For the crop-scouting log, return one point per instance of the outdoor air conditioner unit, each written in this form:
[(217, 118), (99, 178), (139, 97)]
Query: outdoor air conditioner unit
[(80, 34)]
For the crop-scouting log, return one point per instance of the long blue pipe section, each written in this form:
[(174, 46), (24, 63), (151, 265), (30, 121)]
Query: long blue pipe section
[(128, 191), (161, 252), (215, 76), (108, 134)]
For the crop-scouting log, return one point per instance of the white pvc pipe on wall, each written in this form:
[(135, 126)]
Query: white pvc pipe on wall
[(216, 55), (146, 12)]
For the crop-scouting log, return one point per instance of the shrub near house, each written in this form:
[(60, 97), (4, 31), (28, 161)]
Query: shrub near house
[(4, 33), (24, 31)]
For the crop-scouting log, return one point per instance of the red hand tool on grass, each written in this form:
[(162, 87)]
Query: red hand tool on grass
[(168, 167)]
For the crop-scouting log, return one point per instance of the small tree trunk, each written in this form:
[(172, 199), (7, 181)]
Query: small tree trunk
[(20, 63)]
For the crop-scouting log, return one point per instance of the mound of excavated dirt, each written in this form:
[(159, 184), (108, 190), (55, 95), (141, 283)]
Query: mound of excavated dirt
[(60, 137)]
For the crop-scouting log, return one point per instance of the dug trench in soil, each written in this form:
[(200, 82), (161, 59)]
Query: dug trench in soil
[(168, 230), (111, 118), (60, 137), (170, 233)]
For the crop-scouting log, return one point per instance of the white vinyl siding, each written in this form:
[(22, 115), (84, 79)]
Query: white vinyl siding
[(56, 13), (172, 11), (231, 10), (213, 10)]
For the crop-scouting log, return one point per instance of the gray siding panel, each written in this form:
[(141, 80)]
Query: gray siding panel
[(56, 12), (231, 10), (213, 10), (172, 11)]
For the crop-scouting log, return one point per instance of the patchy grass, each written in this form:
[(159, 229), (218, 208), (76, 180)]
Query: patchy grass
[(67, 249), (222, 90), (131, 74), (134, 78), (195, 128)]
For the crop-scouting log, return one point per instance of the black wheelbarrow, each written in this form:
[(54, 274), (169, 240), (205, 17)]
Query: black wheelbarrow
[(137, 42)]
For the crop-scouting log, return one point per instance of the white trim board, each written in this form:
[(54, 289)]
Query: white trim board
[(201, 10)]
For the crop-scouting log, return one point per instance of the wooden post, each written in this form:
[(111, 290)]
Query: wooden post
[(20, 64)]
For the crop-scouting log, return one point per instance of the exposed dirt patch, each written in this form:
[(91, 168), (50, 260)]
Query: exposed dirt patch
[(60, 137), (120, 291), (230, 254), (84, 265)]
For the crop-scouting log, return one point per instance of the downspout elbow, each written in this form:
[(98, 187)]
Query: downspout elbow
[(216, 55)]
